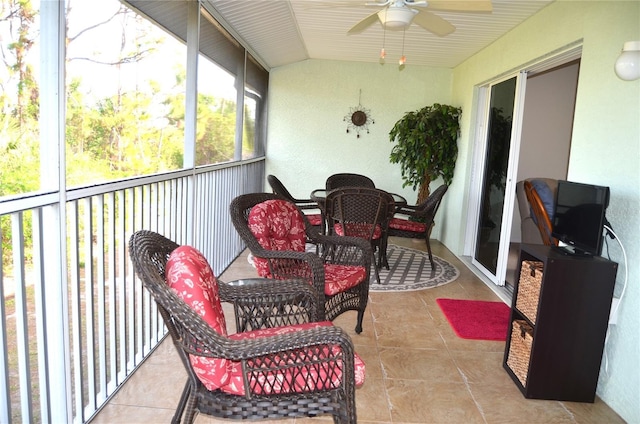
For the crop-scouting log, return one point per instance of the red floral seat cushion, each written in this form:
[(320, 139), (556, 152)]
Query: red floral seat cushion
[(338, 278), (188, 273), (358, 229), (406, 225), (277, 225), (190, 276)]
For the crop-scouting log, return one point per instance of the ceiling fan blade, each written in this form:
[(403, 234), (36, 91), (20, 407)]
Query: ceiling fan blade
[(433, 23), (461, 6), (363, 24)]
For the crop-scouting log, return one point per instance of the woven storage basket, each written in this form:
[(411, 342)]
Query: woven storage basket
[(520, 349), (529, 289)]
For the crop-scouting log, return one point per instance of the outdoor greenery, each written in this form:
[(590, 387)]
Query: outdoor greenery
[(426, 146), (122, 134)]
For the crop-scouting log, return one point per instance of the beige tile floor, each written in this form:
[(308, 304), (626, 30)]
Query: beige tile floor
[(418, 370)]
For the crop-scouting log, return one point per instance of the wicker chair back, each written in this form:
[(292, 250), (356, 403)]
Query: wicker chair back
[(424, 214), (348, 180), (362, 212)]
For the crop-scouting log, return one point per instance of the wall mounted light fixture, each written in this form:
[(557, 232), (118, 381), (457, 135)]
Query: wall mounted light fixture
[(627, 65)]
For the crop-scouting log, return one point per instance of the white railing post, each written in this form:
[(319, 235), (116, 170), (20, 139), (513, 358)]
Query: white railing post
[(52, 172)]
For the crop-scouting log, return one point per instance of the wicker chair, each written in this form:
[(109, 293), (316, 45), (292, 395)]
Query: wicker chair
[(364, 213), (339, 271), (420, 219), (271, 373), (348, 180), (316, 219), (535, 222)]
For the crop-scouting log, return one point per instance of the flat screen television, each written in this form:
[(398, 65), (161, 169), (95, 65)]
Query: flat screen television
[(579, 217)]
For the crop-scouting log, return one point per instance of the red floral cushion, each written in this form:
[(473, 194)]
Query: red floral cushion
[(277, 225), (315, 219), (358, 229), (406, 225), (190, 276), (288, 380), (338, 278)]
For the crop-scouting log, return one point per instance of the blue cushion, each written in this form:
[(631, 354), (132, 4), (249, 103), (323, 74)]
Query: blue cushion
[(546, 196)]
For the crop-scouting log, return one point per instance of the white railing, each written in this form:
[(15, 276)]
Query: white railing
[(75, 323)]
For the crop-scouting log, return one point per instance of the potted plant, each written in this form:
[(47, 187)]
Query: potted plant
[(427, 146)]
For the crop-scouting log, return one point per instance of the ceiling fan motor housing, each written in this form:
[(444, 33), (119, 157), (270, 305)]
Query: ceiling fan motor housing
[(396, 18)]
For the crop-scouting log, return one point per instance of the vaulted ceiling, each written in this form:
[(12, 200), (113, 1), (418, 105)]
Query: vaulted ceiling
[(282, 32)]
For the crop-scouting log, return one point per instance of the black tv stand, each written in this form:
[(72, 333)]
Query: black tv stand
[(557, 329)]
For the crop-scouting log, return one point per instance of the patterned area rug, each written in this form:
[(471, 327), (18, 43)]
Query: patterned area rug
[(409, 270)]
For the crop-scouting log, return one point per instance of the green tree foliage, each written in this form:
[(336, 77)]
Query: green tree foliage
[(123, 134), (19, 107)]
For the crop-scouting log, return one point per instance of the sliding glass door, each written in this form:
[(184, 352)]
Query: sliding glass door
[(497, 188)]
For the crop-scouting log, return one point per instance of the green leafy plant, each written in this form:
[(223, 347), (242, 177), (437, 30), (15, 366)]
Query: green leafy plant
[(427, 146)]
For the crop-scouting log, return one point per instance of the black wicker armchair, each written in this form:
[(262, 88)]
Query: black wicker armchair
[(316, 219), (362, 212), (339, 271), (301, 368), (420, 219), (348, 180)]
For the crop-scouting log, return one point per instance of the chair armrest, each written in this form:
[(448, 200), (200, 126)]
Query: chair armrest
[(251, 348), (289, 264), (254, 305), (283, 354), (280, 364), (204, 341)]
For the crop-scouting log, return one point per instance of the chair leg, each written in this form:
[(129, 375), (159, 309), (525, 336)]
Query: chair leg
[(183, 401), (376, 265), (383, 251), (433, 266), (190, 410), (359, 321)]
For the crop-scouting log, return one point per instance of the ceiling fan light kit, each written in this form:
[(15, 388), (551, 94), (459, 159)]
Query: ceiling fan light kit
[(396, 18)]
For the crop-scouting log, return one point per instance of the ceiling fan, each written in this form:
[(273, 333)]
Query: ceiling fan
[(399, 14)]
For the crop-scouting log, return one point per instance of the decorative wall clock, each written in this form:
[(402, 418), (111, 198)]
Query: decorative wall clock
[(358, 119)]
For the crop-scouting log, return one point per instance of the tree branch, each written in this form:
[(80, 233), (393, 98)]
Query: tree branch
[(129, 59), (120, 11)]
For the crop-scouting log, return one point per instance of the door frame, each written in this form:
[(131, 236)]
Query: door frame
[(549, 61), (479, 159)]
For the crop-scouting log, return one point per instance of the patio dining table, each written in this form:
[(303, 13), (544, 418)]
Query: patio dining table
[(319, 196)]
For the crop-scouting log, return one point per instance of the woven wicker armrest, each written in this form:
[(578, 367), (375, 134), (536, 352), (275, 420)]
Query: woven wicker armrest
[(248, 349), (198, 338), (289, 264), (275, 364), (295, 301)]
